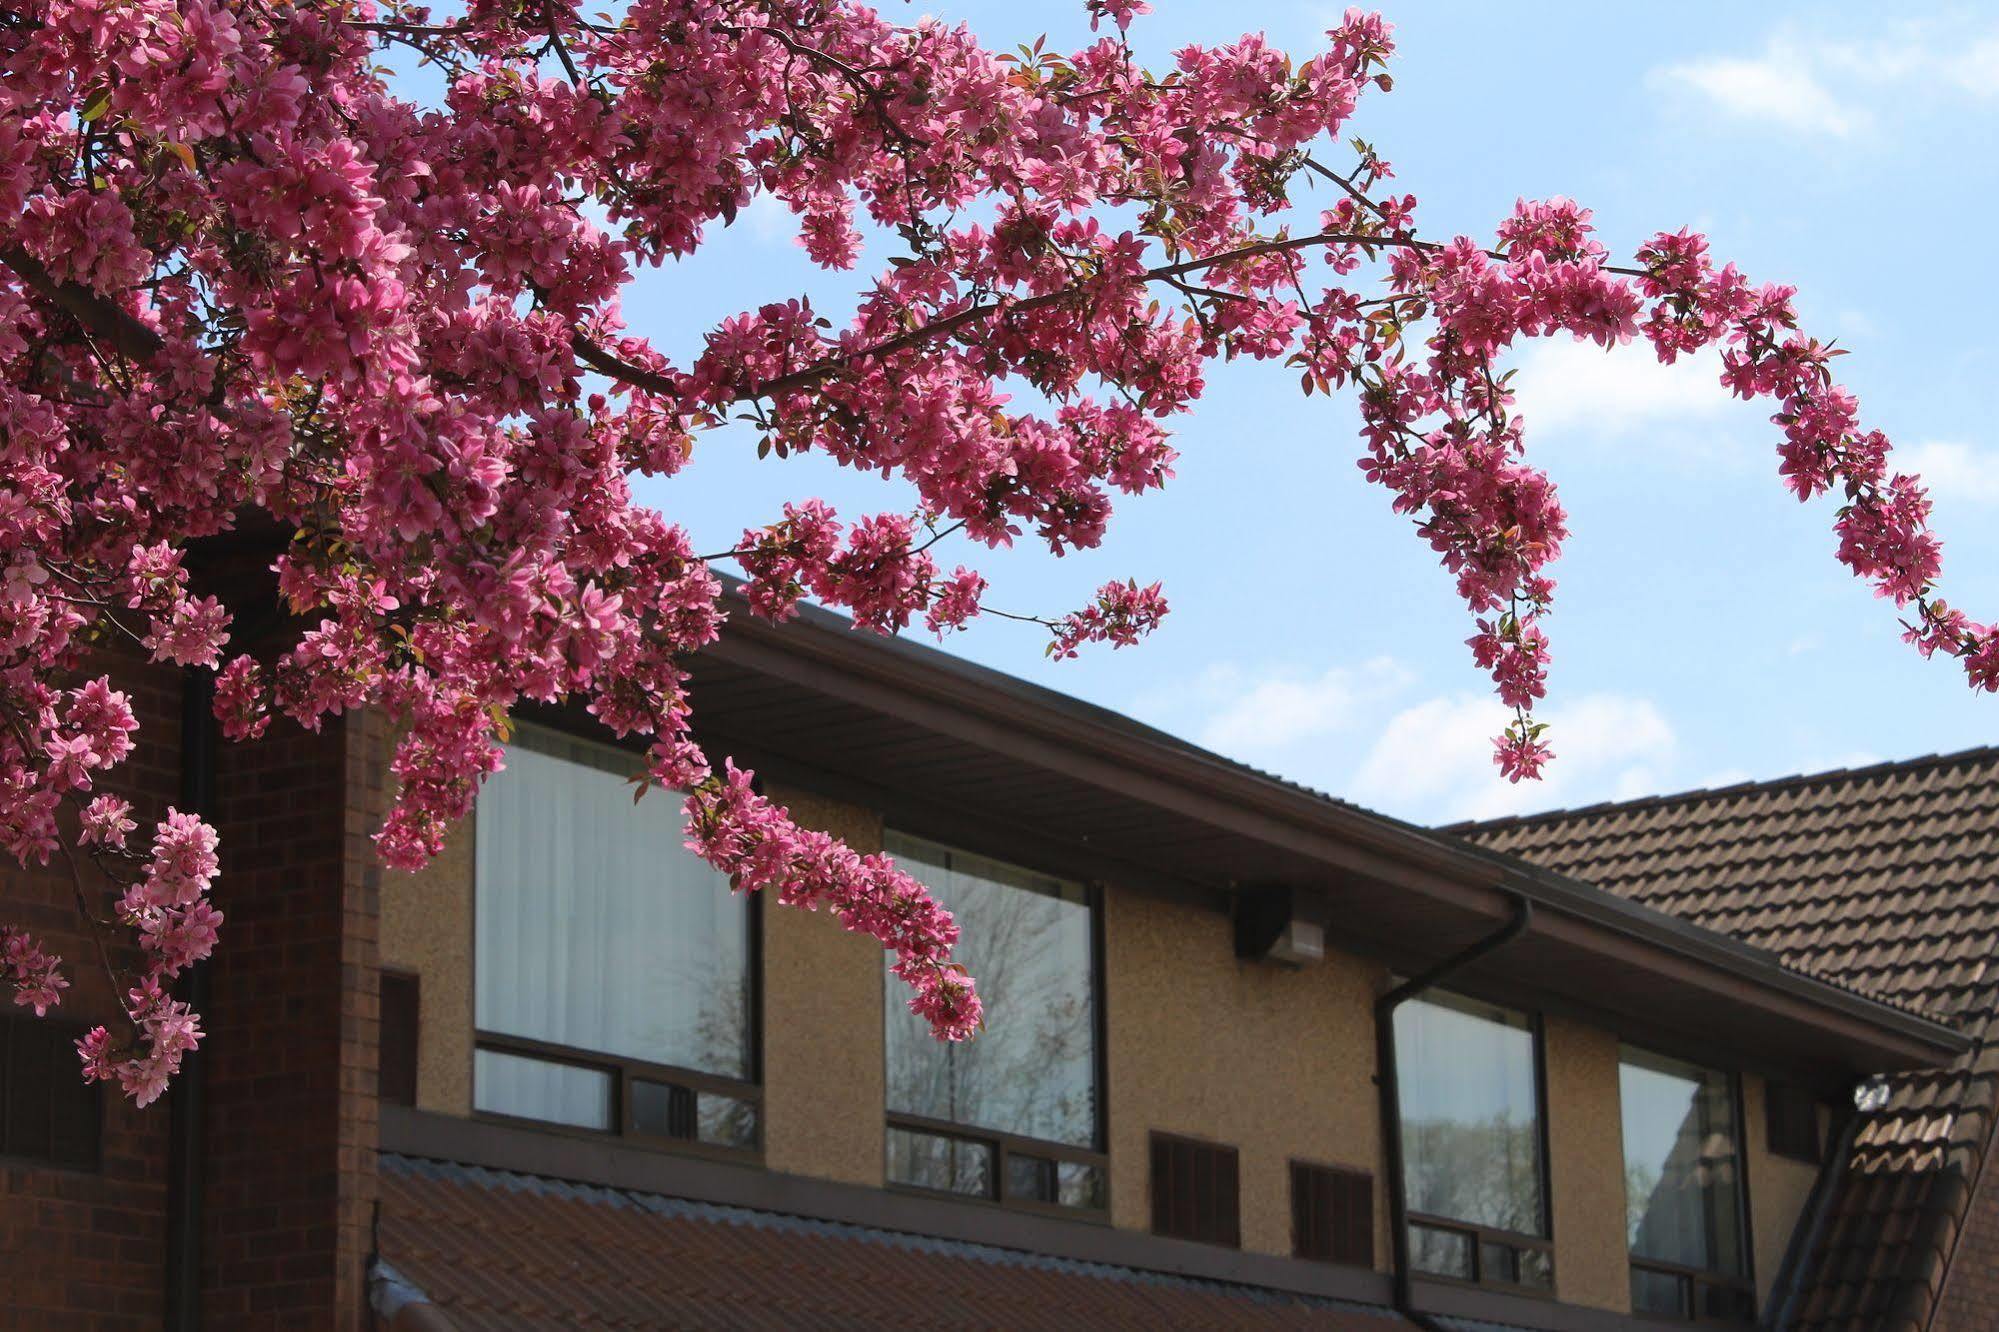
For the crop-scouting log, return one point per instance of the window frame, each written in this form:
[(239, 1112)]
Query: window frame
[(623, 1070), (1001, 1144), (1693, 1280), (1480, 1235)]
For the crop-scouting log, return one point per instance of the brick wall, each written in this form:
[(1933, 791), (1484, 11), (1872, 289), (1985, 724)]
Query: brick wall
[(1969, 1301), (87, 1249), (291, 1075)]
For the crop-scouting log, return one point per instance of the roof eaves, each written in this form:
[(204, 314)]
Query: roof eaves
[(1072, 721)]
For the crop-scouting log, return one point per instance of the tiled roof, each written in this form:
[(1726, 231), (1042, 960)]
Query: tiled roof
[(1884, 879), (468, 1248)]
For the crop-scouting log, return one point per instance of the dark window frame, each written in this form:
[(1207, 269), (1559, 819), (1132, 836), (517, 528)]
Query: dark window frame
[(1480, 1235), (1001, 1144), (1477, 1237), (1231, 1236), (1693, 1280), (623, 1070)]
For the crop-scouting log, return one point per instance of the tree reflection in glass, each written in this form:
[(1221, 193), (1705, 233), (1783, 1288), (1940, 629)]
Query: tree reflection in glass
[(1027, 937)]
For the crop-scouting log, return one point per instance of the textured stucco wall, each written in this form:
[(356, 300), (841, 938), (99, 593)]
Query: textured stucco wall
[(427, 929), (1778, 1189), (1276, 1062), (824, 1056), (1586, 1165)]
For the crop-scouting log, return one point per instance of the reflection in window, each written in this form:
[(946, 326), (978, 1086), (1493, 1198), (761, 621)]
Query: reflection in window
[(597, 930), (1471, 1122), (1682, 1181), (1027, 938)]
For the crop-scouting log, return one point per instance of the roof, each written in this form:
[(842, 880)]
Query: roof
[(462, 1247), (1884, 879)]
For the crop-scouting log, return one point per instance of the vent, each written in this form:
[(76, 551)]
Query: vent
[(1791, 1122), (1332, 1214), (1195, 1188), (401, 1005), (48, 1114)]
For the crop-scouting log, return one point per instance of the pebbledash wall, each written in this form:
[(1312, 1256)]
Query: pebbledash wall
[(1276, 1062)]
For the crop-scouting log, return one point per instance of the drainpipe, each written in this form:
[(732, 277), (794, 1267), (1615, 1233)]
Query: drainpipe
[(1390, 1088), (187, 1102), (1805, 1236)]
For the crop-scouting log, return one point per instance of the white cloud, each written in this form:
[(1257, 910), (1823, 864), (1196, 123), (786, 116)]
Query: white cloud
[(1567, 387), (1433, 761), (1817, 85), (1952, 471), (1268, 715), (1778, 87)]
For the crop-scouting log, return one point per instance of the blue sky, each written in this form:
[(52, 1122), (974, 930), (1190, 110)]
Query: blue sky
[(1703, 633)]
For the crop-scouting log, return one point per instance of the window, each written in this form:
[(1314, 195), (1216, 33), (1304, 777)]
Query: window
[(48, 1114), (1013, 1115), (615, 969), (1470, 1084), (1196, 1191), (1332, 1214), (1683, 1190)]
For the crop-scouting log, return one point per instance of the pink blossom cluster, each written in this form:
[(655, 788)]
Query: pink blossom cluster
[(250, 284), (32, 973), (762, 850)]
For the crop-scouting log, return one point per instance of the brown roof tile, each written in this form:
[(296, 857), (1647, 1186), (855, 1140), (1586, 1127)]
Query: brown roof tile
[(1884, 880), (493, 1249)]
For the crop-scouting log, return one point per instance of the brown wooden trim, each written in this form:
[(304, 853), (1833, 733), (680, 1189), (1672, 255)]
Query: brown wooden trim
[(595, 1158), (1456, 1299), (1004, 1146)]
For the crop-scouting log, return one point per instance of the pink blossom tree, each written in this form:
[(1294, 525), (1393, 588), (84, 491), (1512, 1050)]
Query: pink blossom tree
[(246, 279)]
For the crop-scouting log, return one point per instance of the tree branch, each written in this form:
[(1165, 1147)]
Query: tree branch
[(97, 314)]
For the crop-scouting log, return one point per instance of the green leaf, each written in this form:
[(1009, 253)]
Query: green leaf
[(96, 108)]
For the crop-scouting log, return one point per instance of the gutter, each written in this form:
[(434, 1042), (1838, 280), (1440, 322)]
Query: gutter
[(187, 1103), (1388, 1083)]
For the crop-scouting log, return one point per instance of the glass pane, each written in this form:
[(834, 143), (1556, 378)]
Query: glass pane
[(1681, 1179), (662, 1109), (510, 1084), (1471, 1130), (726, 1121), (1659, 1292), (1080, 1185), (1537, 1269), (1026, 937), (596, 928), (1499, 1262), (931, 1161), (1440, 1252), (1030, 1177)]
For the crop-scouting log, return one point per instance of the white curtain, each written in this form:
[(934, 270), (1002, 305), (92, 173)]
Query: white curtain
[(597, 929), (1471, 1113)]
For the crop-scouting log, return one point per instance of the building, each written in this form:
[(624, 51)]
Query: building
[(564, 1079)]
